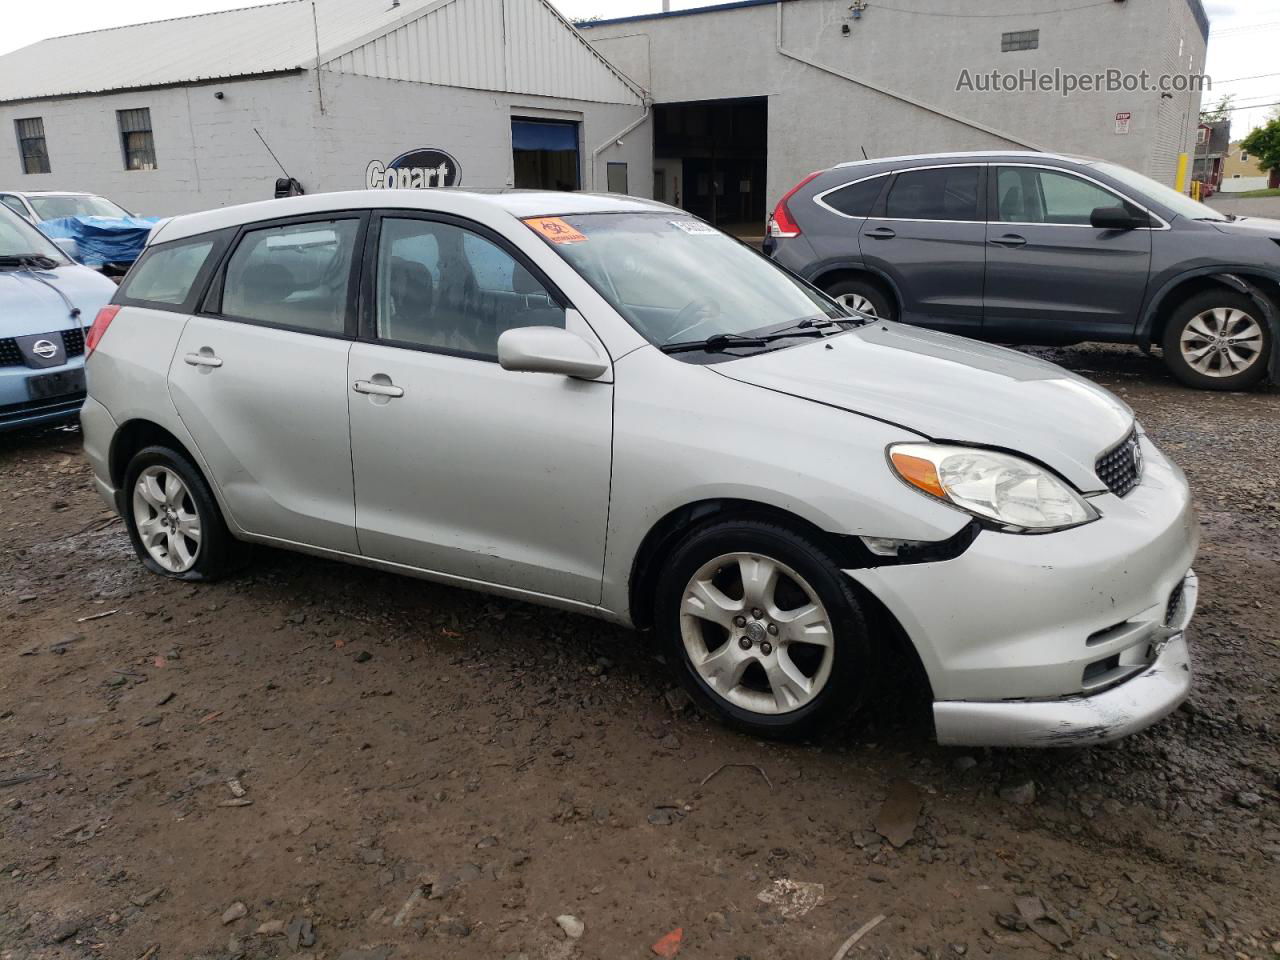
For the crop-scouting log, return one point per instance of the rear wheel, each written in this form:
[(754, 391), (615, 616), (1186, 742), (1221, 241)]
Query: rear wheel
[(765, 630), (174, 522), (862, 296), (1218, 340)]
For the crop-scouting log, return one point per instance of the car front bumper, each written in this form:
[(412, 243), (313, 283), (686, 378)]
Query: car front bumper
[(17, 407), (1060, 639)]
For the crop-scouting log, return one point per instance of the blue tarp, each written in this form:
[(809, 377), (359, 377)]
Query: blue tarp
[(103, 239)]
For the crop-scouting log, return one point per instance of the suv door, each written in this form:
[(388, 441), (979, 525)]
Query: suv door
[(463, 468), (1050, 275), (260, 379), (928, 235)]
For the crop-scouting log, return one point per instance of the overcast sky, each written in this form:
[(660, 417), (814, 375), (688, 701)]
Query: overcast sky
[(1246, 34)]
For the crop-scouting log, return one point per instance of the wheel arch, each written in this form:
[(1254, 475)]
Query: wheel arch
[(135, 435), (833, 272), (1260, 286)]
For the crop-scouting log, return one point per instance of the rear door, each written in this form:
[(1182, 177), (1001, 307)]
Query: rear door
[(259, 379), (461, 467), (929, 237), (1050, 275)]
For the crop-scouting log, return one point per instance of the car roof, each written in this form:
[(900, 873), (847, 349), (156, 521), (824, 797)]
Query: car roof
[(493, 205), (969, 155)]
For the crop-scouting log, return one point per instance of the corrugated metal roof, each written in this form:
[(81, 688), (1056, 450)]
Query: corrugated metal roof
[(233, 43), (520, 46)]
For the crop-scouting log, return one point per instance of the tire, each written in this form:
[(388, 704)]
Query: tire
[(174, 552), (1235, 363), (861, 295), (744, 693)]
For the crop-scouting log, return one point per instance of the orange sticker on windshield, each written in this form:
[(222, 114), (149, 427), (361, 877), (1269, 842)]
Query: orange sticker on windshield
[(555, 230)]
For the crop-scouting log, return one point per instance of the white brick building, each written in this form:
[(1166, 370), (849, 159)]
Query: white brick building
[(185, 114)]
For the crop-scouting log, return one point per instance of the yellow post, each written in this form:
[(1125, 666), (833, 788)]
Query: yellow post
[(1181, 185)]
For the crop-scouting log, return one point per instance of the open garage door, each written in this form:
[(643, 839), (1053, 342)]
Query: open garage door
[(710, 159)]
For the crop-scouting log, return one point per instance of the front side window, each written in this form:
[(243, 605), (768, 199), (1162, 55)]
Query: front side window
[(297, 275), (676, 279), (14, 204), (136, 139), (167, 272), (942, 193), (857, 199), (446, 288), (31, 145), (1028, 195)]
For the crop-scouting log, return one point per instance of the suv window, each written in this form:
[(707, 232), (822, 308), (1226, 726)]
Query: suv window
[(296, 275), (166, 272), (1029, 195), (857, 199), (942, 193), (447, 288)]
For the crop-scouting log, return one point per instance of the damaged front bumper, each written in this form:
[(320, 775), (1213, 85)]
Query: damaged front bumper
[(1126, 708)]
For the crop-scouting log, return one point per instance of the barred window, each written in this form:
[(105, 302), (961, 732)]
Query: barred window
[(135, 138), (31, 145), (1020, 40)]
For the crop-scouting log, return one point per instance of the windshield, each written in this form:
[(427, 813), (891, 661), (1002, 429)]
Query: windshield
[(19, 239), (1179, 203), (676, 279), (53, 207)]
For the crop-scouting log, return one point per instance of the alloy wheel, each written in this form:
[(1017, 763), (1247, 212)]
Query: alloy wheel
[(1221, 342), (167, 519), (757, 633), (858, 303)]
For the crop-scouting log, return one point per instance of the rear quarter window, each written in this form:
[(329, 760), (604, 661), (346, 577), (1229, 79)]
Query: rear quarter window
[(856, 199), (169, 275)]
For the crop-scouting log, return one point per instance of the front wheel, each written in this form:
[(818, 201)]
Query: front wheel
[(1218, 340), (765, 630)]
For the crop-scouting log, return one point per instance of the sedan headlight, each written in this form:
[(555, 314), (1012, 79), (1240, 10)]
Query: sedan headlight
[(1008, 490)]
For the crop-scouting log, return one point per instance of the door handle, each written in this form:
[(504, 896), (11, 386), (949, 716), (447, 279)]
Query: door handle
[(377, 389), (202, 360), (881, 233), (1009, 240)]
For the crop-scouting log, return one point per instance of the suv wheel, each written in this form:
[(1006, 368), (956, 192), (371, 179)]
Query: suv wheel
[(764, 628), (174, 523), (1218, 340), (864, 297)]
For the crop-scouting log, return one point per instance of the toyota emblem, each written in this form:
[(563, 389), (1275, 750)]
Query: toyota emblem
[(44, 349)]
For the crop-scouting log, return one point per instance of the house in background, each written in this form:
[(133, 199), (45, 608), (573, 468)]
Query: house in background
[(1213, 141), (1240, 171)]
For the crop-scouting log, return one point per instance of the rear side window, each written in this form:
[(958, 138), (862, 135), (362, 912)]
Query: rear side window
[(295, 275), (943, 193), (166, 274), (857, 199)]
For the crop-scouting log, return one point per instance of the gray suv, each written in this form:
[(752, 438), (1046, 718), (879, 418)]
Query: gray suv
[(1044, 249)]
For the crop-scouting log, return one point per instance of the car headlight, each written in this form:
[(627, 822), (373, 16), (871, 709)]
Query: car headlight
[(1012, 492)]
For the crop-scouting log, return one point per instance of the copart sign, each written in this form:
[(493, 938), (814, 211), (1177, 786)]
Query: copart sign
[(419, 168)]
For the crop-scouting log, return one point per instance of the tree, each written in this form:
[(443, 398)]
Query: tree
[(1220, 111), (1264, 143)]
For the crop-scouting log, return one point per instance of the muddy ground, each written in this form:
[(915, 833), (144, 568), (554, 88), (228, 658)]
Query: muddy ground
[(427, 773)]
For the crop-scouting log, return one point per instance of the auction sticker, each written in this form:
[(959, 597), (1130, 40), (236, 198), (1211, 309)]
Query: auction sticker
[(555, 230), (695, 228)]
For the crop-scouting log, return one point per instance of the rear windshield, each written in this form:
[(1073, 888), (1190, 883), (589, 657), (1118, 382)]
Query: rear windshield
[(674, 278)]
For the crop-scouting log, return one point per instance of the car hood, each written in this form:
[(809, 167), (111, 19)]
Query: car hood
[(951, 389), (1249, 227), (29, 306)]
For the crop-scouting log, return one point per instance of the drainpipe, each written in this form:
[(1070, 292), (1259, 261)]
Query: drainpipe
[(937, 111), (595, 154)]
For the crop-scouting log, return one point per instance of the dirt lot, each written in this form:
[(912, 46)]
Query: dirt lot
[(430, 773)]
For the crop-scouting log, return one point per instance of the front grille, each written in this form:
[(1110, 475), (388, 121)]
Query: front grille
[(73, 342), (10, 355), (1120, 468)]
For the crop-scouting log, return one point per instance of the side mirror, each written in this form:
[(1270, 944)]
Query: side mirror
[(549, 350), (1115, 218), (68, 246)]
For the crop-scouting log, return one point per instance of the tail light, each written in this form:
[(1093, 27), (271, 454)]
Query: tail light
[(782, 224), (100, 324)]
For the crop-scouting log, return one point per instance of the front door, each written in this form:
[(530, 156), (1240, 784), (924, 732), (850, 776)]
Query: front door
[(930, 239), (1050, 275), (260, 381), (463, 468)]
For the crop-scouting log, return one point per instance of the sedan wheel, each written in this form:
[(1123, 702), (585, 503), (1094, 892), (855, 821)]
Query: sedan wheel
[(167, 519), (1221, 342)]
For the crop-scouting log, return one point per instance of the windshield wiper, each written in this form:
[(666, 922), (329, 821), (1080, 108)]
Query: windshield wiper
[(722, 341), (37, 260)]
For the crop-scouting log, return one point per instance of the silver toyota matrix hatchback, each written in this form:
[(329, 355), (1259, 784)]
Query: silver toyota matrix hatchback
[(605, 405)]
